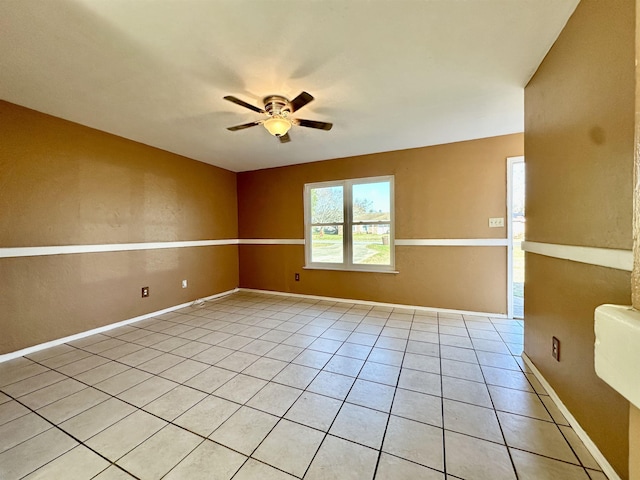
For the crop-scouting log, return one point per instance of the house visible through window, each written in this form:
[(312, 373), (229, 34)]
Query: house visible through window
[(349, 224)]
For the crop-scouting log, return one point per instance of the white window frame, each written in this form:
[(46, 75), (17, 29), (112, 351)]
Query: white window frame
[(348, 223)]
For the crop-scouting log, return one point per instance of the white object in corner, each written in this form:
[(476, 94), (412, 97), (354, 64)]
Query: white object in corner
[(617, 349)]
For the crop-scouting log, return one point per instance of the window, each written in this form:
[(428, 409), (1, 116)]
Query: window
[(349, 224)]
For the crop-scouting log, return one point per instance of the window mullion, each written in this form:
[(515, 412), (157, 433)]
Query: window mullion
[(348, 220)]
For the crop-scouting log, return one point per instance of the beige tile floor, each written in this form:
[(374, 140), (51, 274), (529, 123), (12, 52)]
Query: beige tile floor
[(256, 386)]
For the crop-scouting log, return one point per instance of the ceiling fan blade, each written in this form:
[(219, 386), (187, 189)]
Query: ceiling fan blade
[(242, 103), (300, 101), (313, 124), (244, 125), (285, 138)]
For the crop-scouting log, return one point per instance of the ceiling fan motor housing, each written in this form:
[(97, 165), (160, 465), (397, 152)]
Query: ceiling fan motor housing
[(277, 105)]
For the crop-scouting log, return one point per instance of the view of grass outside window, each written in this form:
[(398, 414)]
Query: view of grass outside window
[(350, 224)]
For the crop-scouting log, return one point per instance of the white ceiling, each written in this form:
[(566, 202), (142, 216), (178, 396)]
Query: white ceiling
[(389, 74)]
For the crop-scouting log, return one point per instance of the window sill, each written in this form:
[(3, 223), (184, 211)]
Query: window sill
[(359, 270)]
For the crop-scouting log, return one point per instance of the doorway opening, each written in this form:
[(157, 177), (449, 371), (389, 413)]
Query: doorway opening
[(515, 232)]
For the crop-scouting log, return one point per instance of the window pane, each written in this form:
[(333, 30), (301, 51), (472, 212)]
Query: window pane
[(326, 205), (326, 244), (372, 202), (371, 244)]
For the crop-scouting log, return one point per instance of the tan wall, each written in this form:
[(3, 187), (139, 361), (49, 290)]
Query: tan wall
[(634, 443), (579, 124), (560, 299), (65, 184), (579, 131), (445, 191), (634, 412)]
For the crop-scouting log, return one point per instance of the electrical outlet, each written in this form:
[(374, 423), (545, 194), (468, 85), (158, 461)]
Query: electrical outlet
[(297, 277), (496, 222), (145, 292), (184, 284), (555, 349)]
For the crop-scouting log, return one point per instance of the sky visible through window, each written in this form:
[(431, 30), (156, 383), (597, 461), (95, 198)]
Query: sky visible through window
[(377, 193)]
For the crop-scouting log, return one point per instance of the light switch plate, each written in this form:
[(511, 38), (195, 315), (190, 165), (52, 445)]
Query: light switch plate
[(496, 222)]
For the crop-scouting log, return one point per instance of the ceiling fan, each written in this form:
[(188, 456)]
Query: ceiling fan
[(278, 110)]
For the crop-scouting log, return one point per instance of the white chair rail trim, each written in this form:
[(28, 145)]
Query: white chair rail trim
[(12, 252), (603, 257)]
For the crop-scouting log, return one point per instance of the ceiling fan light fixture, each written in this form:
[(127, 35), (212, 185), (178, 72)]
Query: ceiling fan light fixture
[(277, 125), (278, 111)]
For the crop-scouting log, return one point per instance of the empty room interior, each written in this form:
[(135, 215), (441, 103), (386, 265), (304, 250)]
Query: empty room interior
[(279, 240)]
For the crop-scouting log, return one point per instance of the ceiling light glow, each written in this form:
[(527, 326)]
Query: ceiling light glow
[(277, 125)]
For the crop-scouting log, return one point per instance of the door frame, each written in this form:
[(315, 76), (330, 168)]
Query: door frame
[(511, 161)]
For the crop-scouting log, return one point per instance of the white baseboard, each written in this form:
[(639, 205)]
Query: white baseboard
[(375, 304), (593, 449), (26, 351)]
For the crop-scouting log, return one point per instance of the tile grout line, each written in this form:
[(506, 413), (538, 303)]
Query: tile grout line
[(280, 417), (206, 392), (142, 408), (303, 391), (326, 434), (553, 420), (495, 411), (395, 391), (124, 401), (65, 433), (291, 362), (580, 463), (444, 450)]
